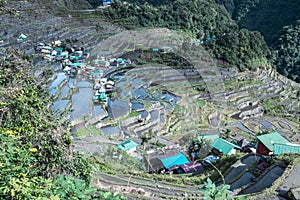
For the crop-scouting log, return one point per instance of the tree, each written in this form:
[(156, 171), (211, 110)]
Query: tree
[(213, 192), (198, 148)]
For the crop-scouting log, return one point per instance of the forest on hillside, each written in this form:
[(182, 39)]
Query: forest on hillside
[(248, 33), (206, 21)]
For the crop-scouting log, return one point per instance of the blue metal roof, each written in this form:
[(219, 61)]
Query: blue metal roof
[(177, 159)]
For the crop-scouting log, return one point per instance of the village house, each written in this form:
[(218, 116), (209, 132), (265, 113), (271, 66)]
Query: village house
[(160, 162), (191, 167), (221, 146), (128, 146), (265, 145), (275, 144)]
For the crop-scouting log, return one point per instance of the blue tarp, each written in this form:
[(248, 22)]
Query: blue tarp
[(211, 158)]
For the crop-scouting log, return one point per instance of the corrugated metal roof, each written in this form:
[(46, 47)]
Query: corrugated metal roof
[(286, 148), (177, 159), (223, 145), (127, 145), (209, 137), (270, 139), (191, 167)]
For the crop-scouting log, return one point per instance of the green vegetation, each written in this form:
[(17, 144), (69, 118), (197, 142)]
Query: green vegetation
[(198, 148), (272, 108), (209, 22), (225, 162), (152, 2), (212, 191), (36, 157), (278, 22), (84, 131), (133, 114), (244, 49), (287, 52), (115, 160), (205, 20)]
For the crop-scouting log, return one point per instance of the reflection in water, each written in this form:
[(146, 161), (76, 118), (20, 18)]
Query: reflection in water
[(81, 103), (97, 111), (109, 130), (154, 115), (144, 114), (84, 84), (60, 105), (64, 92), (136, 106), (117, 108), (54, 85)]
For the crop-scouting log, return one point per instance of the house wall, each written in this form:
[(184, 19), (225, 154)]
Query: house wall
[(216, 152), (262, 149), (233, 151), (131, 150)]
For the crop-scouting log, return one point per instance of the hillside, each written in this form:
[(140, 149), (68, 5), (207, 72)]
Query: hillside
[(207, 21), (277, 21), (169, 85)]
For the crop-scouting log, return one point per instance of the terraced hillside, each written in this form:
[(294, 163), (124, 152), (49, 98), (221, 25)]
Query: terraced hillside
[(152, 98)]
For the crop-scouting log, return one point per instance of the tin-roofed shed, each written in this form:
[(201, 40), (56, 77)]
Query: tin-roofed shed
[(208, 137), (128, 146), (177, 159), (223, 146), (286, 148), (157, 162), (266, 143)]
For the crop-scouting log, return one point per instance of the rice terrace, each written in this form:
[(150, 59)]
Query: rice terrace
[(99, 107)]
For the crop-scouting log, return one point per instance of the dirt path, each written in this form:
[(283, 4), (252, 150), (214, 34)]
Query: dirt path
[(150, 188)]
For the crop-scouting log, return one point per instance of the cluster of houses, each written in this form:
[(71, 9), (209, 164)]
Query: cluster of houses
[(105, 3), (72, 58), (175, 162), (102, 87), (208, 39), (22, 38)]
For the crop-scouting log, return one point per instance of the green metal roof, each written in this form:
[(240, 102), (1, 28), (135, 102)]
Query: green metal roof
[(270, 139), (223, 145), (286, 148), (177, 159), (127, 145), (209, 137), (76, 64)]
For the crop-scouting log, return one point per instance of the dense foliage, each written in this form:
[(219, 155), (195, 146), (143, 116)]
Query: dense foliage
[(206, 20), (202, 18), (269, 17), (243, 49), (152, 2), (35, 149), (4, 8), (278, 22), (212, 191), (287, 52)]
